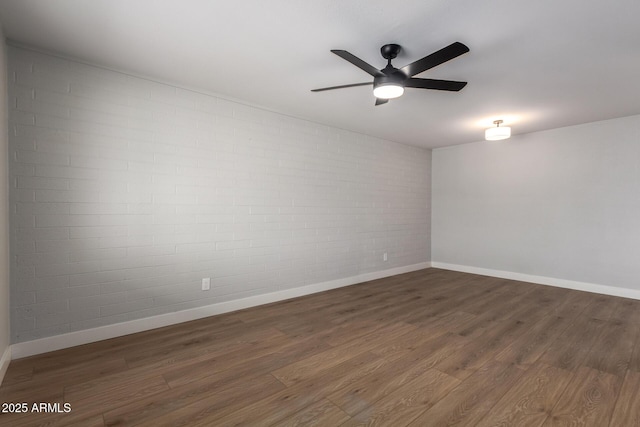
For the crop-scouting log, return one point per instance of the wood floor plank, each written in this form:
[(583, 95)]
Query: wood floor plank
[(18, 373), (24, 391), (529, 401), (311, 366), (432, 349), (452, 322), (75, 374), (342, 334), (612, 350), (399, 346), (308, 325), (53, 420), (270, 356), (534, 307), (209, 344), (627, 313), (319, 301), (321, 413), (481, 349), (601, 307), (59, 420), (280, 405), (588, 400), (627, 409), (503, 296), (373, 312), (454, 302), (407, 402), (365, 392), (192, 402), (470, 401), (573, 304), (398, 312), (627, 310), (570, 348), (117, 347), (26, 419), (109, 394), (527, 348), (634, 363)]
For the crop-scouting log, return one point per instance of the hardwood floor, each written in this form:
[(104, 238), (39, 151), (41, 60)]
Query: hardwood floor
[(428, 348)]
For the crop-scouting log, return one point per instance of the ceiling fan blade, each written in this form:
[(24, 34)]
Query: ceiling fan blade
[(370, 69), (341, 87), (436, 58), (380, 101), (435, 84)]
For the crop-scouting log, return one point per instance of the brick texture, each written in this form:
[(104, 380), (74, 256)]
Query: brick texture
[(125, 193)]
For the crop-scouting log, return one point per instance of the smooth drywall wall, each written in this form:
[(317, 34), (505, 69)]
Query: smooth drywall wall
[(127, 192), (563, 203), (4, 213)]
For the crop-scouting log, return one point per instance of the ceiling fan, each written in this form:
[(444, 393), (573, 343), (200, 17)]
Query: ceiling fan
[(389, 82)]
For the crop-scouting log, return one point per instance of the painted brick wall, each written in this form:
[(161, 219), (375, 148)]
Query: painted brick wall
[(126, 192)]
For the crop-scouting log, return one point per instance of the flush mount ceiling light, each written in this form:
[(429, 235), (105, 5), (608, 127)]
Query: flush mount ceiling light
[(497, 133)]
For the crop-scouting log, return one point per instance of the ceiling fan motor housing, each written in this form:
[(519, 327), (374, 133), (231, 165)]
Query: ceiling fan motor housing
[(390, 84), (395, 78)]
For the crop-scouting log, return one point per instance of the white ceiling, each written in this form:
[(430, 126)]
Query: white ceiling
[(536, 64)]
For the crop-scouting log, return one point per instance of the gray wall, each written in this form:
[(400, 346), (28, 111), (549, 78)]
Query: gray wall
[(4, 206), (127, 192), (563, 203)]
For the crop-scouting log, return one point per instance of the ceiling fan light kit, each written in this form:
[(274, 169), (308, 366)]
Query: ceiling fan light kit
[(388, 91), (388, 87), (390, 82), (497, 133)]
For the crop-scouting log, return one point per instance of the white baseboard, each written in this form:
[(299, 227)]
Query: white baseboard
[(543, 280), (4, 362), (57, 342)]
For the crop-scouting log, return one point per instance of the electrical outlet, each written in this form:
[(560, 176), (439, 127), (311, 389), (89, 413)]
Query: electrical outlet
[(384, 256), (206, 283)]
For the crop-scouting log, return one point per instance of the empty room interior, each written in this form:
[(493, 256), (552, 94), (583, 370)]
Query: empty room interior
[(328, 213)]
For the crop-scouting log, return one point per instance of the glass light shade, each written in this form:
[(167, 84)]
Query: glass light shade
[(389, 91), (497, 133)]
